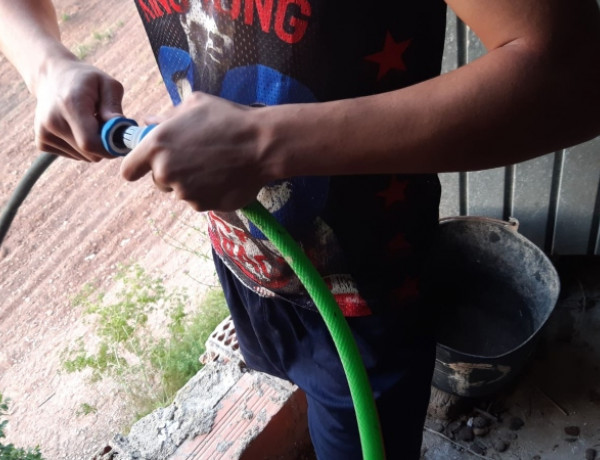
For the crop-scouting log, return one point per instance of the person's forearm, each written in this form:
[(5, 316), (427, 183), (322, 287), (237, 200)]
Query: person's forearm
[(30, 37), (513, 104), (493, 112)]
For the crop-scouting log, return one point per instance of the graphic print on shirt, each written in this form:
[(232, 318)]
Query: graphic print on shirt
[(269, 52)]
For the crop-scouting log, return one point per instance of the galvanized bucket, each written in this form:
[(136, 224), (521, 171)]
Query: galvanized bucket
[(493, 290)]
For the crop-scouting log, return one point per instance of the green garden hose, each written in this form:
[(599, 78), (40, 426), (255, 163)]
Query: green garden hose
[(120, 135), (360, 388)]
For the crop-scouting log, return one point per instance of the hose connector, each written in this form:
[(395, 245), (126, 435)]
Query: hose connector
[(121, 135)]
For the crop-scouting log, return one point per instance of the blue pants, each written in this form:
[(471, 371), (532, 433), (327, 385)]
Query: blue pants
[(293, 343)]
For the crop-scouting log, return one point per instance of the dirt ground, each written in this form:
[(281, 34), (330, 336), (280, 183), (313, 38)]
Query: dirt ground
[(77, 224)]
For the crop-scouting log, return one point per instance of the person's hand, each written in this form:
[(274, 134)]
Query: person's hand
[(207, 151), (73, 100)]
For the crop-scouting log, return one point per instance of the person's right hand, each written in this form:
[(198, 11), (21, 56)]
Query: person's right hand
[(74, 99)]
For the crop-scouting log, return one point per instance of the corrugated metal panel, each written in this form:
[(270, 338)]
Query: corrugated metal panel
[(556, 197)]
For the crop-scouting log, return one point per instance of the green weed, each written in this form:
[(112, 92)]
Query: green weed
[(98, 38), (86, 409), (82, 50), (103, 36), (9, 451), (150, 367)]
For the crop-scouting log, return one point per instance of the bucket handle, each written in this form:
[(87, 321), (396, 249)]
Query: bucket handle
[(512, 224)]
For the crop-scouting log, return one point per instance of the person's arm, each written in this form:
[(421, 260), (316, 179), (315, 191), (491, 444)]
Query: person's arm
[(72, 97), (535, 91)]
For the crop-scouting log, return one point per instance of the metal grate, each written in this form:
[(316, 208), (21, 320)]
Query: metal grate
[(556, 197)]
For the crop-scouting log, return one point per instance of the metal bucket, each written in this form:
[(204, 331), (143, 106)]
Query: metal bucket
[(494, 290)]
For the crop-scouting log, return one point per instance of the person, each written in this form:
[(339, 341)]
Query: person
[(353, 126)]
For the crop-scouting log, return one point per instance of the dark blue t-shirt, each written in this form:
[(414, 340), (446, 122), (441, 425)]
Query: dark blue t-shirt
[(366, 234)]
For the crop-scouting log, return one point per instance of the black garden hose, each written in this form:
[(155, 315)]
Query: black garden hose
[(27, 182)]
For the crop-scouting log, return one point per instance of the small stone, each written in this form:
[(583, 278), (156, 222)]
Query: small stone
[(516, 423), (499, 445), (454, 426), (481, 431), (478, 448), (437, 426), (572, 430), (536, 457), (480, 422), (511, 436), (590, 454), (465, 434)]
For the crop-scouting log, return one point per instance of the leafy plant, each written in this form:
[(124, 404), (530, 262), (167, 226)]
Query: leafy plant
[(82, 50), (86, 409), (103, 36), (150, 365), (9, 451), (98, 37)]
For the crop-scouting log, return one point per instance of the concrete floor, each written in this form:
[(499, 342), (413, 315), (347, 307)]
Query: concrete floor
[(557, 397)]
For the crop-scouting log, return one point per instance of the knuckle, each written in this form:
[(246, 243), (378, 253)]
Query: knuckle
[(183, 192), (50, 122), (117, 87), (42, 138), (196, 206), (195, 98), (88, 144), (70, 100), (160, 139), (41, 144), (179, 194), (162, 173)]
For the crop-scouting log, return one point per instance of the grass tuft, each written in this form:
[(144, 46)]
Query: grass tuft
[(95, 40), (150, 366)]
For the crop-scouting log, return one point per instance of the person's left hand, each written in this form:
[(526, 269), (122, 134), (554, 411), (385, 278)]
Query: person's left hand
[(207, 151)]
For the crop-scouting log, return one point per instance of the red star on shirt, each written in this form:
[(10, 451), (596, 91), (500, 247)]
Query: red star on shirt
[(394, 192), (390, 57), (398, 244), (408, 291)]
